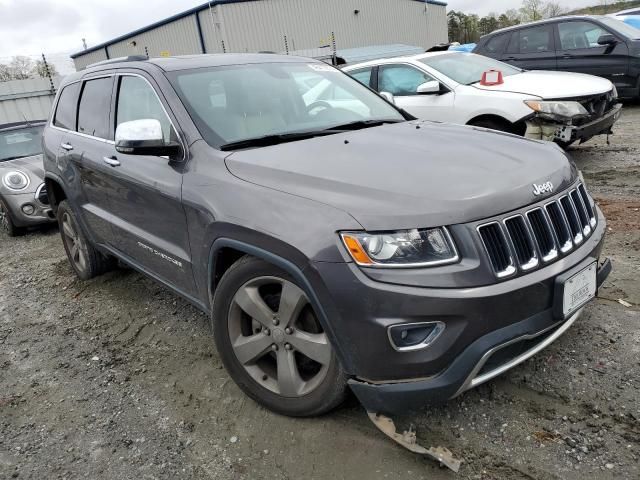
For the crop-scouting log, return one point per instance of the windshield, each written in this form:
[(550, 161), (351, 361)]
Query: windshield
[(20, 142), (467, 68), (232, 104), (621, 27)]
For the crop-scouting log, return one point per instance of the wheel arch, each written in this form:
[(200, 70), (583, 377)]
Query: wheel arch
[(226, 251), (55, 191)]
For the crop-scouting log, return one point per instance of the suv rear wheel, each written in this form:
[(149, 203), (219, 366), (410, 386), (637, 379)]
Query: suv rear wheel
[(271, 342), (86, 261)]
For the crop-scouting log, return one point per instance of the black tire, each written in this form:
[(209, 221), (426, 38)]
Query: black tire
[(328, 392), (6, 221), (493, 124), (85, 260)]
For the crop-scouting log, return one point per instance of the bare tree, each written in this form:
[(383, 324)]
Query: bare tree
[(21, 67), (40, 69), (605, 4), (5, 73), (532, 10), (554, 9)]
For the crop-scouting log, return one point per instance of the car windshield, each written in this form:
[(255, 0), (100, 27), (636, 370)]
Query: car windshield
[(20, 142), (467, 68), (621, 27), (235, 104)]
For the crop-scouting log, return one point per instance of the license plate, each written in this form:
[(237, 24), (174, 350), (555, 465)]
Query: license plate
[(579, 289)]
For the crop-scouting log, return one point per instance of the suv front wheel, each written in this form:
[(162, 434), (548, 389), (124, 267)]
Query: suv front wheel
[(271, 342)]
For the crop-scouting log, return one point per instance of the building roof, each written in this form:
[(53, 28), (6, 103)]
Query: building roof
[(186, 13)]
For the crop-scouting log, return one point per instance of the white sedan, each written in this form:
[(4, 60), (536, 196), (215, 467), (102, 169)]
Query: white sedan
[(449, 87)]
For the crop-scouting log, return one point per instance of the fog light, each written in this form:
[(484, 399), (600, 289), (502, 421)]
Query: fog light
[(406, 337), (28, 209)]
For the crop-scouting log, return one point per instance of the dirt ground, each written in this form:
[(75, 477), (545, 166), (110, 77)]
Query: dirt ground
[(117, 378)]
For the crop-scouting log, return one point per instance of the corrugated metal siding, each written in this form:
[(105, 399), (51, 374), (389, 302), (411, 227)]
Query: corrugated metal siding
[(89, 58), (30, 99), (255, 26), (176, 38), (262, 25)]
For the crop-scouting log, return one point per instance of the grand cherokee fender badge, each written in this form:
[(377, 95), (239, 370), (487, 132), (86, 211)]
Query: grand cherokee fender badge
[(540, 188)]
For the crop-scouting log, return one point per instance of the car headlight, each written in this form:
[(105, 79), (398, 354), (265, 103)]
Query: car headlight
[(15, 180), (614, 93), (404, 248), (557, 109)]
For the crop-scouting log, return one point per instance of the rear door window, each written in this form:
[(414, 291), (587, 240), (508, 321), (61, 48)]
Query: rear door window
[(532, 40), (94, 108), (65, 116)]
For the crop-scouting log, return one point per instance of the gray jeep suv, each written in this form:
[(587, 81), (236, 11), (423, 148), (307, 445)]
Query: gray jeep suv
[(335, 242)]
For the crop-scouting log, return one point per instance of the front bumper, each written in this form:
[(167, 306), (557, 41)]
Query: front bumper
[(42, 213), (599, 126), (480, 321)]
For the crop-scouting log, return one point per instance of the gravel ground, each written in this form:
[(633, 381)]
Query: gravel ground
[(117, 378)]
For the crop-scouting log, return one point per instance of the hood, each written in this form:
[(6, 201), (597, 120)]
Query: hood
[(32, 166), (551, 85), (401, 176)]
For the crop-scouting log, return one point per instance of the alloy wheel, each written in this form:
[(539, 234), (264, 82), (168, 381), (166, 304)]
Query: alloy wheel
[(277, 338), (77, 251)]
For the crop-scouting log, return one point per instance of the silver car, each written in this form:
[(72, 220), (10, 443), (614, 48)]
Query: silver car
[(23, 196)]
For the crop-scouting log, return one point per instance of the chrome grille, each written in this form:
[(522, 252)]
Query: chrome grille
[(539, 235)]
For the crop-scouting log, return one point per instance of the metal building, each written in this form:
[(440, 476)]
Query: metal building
[(29, 99), (280, 26)]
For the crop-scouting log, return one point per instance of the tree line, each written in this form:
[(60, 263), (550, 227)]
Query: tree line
[(21, 68), (465, 28)]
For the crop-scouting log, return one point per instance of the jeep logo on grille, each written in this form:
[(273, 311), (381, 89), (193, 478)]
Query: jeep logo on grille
[(539, 189)]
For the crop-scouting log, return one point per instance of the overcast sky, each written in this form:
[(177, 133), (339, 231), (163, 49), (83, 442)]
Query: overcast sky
[(56, 27)]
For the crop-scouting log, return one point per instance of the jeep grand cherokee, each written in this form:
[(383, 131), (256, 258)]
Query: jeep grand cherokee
[(333, 245)]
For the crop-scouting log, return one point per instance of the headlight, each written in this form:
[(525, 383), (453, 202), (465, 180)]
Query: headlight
[(557, 109), (15, 180), (614, 92), (404, 248)]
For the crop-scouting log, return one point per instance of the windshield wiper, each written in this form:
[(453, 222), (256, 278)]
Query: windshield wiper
[(360, 124), (268, 140), (17, 157)]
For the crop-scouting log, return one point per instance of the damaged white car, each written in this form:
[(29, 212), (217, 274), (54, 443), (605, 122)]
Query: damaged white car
[(470, 89)]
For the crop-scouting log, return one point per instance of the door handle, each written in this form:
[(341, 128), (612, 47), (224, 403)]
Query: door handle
[(67, 146), (509, 59), (114, 162), (566, 55)]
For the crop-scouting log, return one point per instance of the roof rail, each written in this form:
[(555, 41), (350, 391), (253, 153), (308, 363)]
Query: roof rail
[(130, 58)]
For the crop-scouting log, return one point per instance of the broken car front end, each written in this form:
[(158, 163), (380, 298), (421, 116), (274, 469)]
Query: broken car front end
[(570, 120)]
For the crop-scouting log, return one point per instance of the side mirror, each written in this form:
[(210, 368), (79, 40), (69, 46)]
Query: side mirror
[(431, 87), (607, 39), (388, 97), (144, 137)]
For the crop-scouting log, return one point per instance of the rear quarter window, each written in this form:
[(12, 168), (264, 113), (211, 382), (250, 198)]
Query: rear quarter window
[(65, 116)]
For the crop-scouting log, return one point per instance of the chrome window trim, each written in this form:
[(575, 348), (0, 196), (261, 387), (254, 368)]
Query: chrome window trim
[(104, 140)]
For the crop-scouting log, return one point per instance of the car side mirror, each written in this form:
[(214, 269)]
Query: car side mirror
[(607, 39), (144, 137), (388, 97), (431, 87)]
